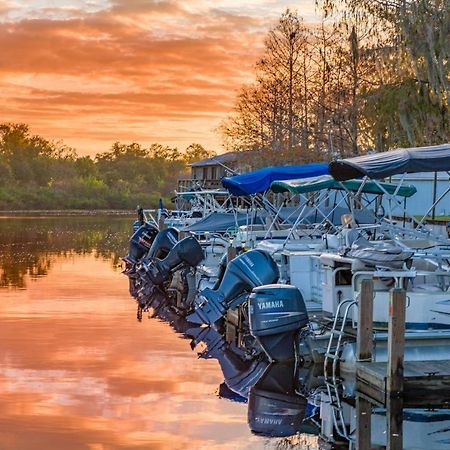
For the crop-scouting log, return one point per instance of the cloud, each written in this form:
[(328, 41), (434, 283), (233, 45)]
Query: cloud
[(121, 69), (71, 378)]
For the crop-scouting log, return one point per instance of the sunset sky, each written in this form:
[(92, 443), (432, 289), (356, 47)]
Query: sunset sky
[(91, 72)]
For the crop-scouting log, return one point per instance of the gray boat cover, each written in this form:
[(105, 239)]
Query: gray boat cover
[(334, 214), (218, 222), (381, 165), (379, 253)]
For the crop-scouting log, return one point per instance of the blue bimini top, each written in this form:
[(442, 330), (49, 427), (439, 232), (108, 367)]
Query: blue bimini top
[(260, 180)]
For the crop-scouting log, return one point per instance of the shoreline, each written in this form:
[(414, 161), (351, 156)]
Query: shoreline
[(68, 212)]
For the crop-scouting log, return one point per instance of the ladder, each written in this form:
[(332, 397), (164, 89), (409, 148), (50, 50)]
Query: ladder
[(337, 330), (332, 382)]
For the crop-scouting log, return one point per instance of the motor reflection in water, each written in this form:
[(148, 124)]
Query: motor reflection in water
[(252, 327), (291, 398), (279, 404)]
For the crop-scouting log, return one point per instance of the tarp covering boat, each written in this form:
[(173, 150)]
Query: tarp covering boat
[(382, 254), (314, 184), (218, 222), (381, 165), (260, 180)]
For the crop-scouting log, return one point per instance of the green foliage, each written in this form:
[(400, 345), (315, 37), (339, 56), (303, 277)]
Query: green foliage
[(196, 152), (38, 174)]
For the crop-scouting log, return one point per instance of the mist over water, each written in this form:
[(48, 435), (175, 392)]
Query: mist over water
[(79, 371)]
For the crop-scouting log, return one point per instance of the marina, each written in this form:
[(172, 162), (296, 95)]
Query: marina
[(312, 268)]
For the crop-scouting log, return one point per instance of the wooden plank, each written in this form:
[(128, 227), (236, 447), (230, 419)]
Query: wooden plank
[(396, 341), (363, 423), (365, 374), (394, 418), (364, 339)]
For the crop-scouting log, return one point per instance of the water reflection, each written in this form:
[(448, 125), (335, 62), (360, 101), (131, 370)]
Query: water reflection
[(28, 245), (78, 371), (280, 403), (293, 403)]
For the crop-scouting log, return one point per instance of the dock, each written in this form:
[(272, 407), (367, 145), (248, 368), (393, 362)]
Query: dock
[(425, 383), (395, 384)]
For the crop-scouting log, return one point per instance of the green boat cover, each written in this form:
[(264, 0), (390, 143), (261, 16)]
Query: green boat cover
[(315, 184)]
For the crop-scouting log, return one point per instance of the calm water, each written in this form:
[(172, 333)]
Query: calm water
[(78, 371)]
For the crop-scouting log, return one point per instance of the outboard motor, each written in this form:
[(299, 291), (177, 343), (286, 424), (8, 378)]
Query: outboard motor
[(221, 271), (162, 244), (239, 374), (274, 408), (243, 273), (186, 252), (140, 243), (155, 300), (136, 225), (277, 313), (140, 220), (225, 392)]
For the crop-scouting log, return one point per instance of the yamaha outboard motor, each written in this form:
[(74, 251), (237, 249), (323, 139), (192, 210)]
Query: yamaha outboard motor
[(186, 252), (274, 408), (225, 392), (242, 274), (221, 271), (239, 374), (140, 243), (277, 313)]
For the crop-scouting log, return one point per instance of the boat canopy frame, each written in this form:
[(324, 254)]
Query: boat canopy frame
[(399, 162)]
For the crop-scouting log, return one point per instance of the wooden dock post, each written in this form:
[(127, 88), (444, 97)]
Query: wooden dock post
[(394, 418), (231, 253), (364, 339), (363, 423), (396, 341)]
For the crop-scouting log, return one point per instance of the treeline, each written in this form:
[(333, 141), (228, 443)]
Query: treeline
[(36, 173), (372, 75)]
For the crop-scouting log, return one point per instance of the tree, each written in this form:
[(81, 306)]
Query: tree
[(196, 152), (270, 113), (409, 105)]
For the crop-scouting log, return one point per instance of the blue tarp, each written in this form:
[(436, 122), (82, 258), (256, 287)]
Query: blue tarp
[(260, 180)]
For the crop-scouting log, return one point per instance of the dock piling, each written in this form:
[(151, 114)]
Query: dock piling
[(231, 253), (396, 341), (363, 423), (364, 337), (394, 418)]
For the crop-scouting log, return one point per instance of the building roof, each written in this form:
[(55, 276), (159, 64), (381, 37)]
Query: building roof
[(217, 160)]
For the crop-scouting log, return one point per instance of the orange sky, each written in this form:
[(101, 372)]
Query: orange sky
[(91, 72)]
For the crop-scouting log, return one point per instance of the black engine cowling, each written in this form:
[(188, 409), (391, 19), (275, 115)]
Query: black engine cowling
[(186, 252), (243, 273), (162, 244), (277, 313), (140, 242)]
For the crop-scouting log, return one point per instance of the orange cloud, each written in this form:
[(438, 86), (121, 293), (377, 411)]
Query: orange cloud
[(92, 72), (75, 379)]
